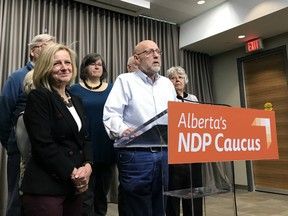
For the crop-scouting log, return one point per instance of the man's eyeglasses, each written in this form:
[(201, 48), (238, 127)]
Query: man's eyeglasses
[(151, 52), (40, 46)]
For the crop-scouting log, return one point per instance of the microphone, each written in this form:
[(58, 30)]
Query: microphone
[(200, 102)]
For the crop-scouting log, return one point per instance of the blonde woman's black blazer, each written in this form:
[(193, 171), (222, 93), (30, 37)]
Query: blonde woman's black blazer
[(57, 145)]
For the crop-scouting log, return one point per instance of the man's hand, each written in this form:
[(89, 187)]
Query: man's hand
[(129, 130)]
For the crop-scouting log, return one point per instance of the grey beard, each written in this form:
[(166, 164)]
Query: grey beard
[(155, 69)]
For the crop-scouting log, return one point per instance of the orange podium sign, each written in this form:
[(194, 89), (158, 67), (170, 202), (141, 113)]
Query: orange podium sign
[(211, 133)]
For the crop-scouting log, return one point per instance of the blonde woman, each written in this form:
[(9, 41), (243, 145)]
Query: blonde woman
[(61, 153)]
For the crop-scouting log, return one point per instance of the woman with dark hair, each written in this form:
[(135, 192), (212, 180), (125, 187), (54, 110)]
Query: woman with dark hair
[(93, 90)]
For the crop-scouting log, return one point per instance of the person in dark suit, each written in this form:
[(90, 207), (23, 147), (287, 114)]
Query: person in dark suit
[(12, 102), (61, 152)]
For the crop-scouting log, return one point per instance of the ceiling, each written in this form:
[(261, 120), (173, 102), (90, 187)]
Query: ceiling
[(264, 27), (172, 11), (181, 11)]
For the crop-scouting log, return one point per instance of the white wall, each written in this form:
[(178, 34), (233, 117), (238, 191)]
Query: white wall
[(226, 85), (239, 13)]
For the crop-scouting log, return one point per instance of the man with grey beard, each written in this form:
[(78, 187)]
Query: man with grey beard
[(134, 99)]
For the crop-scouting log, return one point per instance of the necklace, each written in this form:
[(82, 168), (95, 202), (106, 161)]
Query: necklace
[(68, 103), (92, 88)]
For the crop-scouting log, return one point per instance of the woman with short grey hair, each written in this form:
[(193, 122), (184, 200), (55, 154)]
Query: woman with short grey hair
[(179, 173), (179, 78)]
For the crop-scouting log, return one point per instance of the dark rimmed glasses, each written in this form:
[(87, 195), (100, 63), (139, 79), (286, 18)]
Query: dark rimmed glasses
[(151, 52)]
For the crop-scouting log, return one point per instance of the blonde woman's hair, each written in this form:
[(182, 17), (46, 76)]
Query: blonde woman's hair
[(177, 70), (28, 82), (45, 62)]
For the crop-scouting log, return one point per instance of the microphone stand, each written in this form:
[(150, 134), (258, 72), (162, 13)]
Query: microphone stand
[(200, 102)]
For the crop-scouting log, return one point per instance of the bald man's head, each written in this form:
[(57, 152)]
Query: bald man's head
[(131, 64)]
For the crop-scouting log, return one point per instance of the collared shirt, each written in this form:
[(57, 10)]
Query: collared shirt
[(190, 97), (134, 99)]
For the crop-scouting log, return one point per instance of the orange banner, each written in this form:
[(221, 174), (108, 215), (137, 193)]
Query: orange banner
[(211, 133)]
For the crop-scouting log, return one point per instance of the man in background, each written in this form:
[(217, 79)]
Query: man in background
[(132, 64), (12, 102)]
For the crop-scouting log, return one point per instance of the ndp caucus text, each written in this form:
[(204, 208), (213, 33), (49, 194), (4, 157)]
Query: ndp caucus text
[(195, 142)]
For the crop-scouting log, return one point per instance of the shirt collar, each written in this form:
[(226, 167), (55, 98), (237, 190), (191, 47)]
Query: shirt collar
[(145, 78)]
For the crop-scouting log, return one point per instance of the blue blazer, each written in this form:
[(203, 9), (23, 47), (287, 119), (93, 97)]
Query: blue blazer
[(57, 145)]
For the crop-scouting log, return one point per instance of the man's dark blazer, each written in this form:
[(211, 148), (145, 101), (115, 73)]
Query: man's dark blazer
[(57, 145)]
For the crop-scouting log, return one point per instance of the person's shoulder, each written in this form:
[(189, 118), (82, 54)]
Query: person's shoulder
[(44, 90), (21, 72), (74, 86), (25, 69), (124, 77), (29, 65), (110, 85), (74, 95), (108, 88), (41, 96), (39, 92), (164, 79), (191, 97)]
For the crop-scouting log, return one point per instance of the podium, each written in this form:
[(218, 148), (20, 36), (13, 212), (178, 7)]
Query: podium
[(217, 135), (214, 136), (155, 134), (149, 134)]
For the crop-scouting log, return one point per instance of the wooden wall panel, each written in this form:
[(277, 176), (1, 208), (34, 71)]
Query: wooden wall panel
[(265, 81)]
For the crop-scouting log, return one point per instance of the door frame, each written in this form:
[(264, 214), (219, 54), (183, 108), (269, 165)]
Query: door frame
[(243, 102)]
